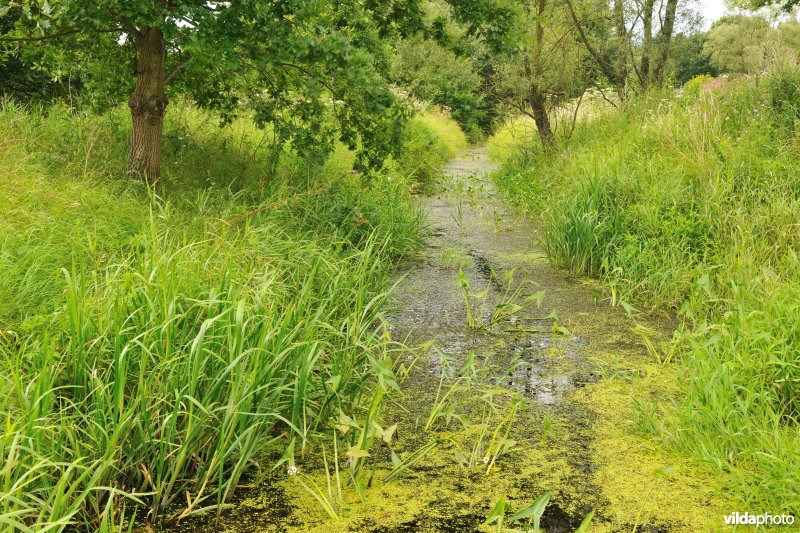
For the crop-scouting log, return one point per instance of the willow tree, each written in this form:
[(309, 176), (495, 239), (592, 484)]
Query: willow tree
[(304, 58), (539, 64)]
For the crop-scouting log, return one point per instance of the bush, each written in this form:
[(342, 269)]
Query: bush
[(431, 140), (694, 86)]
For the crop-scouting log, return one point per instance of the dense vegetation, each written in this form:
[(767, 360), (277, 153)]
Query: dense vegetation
[(689, 202), (156, 342), (164, 337)]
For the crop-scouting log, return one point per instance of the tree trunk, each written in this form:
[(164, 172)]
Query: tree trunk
[(536, 99), (540, 116), (647, 44), (148, 103), (622, 57), (665, 38)]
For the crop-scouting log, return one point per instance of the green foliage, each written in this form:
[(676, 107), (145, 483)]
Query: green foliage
[(431, 72), (749, 44), (22, 73), (736, 45), (430, 141), (314, 70), (159, 344), (688, 58), (583, 235), (690, 204), (785, 5), (695, 86)]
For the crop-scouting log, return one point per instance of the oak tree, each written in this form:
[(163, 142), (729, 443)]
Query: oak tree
[(294, 63)]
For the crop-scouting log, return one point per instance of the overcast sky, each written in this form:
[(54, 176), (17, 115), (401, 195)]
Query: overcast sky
[(712, 10)]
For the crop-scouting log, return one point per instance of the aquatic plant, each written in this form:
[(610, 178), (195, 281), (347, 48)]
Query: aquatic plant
[(441, 406), (459, 215), (529, 517), (455, 258), (509, 301)]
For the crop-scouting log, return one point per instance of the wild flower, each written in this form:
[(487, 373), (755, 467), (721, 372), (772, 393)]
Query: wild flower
[(712, 86)]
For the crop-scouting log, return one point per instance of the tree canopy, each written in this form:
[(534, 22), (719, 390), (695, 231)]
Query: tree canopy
[(745, 44), (307, 67)]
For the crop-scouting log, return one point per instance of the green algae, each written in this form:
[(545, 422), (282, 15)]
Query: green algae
[(637, 474)]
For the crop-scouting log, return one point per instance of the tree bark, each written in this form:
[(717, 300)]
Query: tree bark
[(647, 44), (542, 119), (665, 38), (536, 98), (622, 58), (147, 104)]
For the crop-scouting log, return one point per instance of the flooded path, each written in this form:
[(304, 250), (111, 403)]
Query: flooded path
[(573, 358), (542, 387)]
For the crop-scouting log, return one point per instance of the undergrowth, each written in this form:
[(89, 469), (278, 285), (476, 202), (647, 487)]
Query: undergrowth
[(154, 342), (689, 202)]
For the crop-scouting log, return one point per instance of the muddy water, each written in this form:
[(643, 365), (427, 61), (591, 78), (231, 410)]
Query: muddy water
[(473, 230), (568, 353)]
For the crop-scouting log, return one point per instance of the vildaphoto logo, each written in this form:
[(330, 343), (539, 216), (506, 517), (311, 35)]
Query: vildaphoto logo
[(763, 519)]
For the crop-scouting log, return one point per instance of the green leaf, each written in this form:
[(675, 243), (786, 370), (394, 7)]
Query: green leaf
[(396, 461), (664, 471), (388, 433), (536, 509), (498, 512), (354, 452), (584, 527), (288, 456)]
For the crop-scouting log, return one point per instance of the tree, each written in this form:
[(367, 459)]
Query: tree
[(743, 44), (537, 62), (784, 5), (305, 59), (430, 71), (605, 36), (735, 44), (20, 73), (627, 41), (689, 58)]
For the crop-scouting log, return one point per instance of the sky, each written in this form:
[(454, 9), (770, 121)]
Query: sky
[(711, 10)]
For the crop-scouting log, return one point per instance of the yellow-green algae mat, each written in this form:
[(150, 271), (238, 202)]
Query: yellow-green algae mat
[(587, 428)]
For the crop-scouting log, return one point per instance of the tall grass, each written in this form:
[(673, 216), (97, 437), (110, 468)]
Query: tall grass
[(152, 345), (690, 203), (431, 141)]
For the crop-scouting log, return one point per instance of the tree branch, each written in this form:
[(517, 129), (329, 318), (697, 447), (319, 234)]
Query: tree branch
[(603, 94), (127, 23), (605, 67), (177, 69)]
